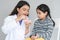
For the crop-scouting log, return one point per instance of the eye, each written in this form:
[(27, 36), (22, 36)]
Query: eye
[(24, 9), (38, 13)]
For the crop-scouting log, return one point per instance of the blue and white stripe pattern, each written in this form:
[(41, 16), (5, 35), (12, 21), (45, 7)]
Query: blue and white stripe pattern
[(43, 28)]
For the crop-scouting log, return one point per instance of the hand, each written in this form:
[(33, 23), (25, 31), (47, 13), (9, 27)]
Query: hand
[(33, 37), (26, 31), (20, 18), (27, 23)]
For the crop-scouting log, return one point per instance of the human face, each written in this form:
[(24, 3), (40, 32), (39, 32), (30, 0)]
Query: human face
[(41, 15), (24, 10)]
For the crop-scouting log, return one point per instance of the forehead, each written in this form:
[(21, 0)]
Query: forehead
[(25, 7), (38, 10)]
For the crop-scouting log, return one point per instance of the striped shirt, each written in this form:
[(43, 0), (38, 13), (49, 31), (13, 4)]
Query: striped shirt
[(43, 28)]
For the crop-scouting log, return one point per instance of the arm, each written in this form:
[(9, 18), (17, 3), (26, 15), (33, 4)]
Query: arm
[(47, 34), (27, 24), (9, 25), (34, 29), (26, 31)]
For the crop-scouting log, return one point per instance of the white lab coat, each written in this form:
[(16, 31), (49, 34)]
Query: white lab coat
[(13, 29)]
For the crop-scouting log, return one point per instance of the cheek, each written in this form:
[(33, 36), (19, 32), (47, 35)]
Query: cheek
[(25, 13), (40, 16), (21, 11)]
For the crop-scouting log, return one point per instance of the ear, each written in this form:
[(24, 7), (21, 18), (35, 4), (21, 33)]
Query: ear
[(17, 9), (46, 13)]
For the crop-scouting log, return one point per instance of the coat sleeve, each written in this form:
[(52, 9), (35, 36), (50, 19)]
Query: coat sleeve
[(9, 25)]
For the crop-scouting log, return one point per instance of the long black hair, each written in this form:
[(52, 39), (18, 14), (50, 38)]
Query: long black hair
[(44, 8), (19, 5)]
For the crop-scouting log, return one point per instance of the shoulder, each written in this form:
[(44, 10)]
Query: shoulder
[(9, 18), (49, 21), (36, 21)]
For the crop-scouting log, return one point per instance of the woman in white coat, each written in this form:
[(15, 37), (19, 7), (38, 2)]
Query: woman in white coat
[(16, 24)]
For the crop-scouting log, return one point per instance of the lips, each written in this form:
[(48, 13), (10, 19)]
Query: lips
[(26, 14)]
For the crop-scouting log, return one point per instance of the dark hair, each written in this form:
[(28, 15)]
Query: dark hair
[(19, 5), (44, 8)]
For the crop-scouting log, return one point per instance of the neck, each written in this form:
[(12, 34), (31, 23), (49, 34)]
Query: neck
[(18, 15)]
